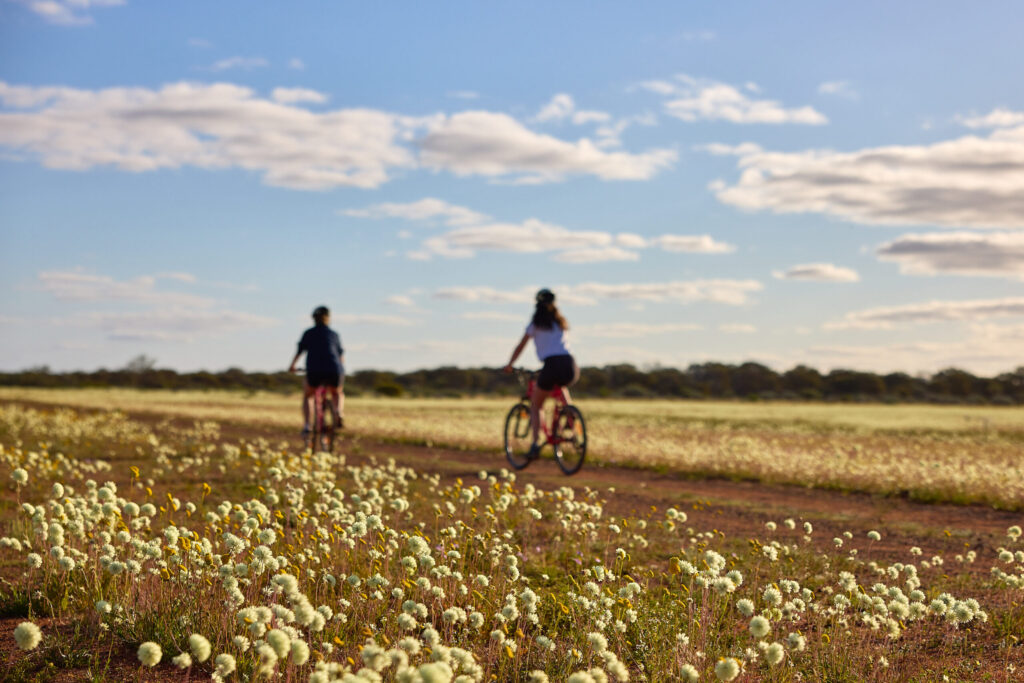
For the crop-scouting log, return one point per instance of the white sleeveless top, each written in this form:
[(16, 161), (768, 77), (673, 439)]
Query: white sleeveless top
[(550, 342)]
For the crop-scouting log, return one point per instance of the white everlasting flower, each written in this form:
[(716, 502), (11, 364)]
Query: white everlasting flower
[(225, 664), (597, 641), (774, 654), (688, 673), (727, 669), (150, 653), (103, 607), (874, 536), (27, 635), (537, 676), (182, 661), (760, 627), (20, 476), (200, 647), (745, 606), (300, 652)]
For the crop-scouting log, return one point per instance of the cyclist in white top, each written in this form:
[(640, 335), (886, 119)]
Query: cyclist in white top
[(548, 329)]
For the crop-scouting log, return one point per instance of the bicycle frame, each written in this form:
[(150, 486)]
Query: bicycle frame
[(559, 396)]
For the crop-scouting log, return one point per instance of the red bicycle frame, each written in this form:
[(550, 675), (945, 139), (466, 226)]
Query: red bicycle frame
[(559, 396)]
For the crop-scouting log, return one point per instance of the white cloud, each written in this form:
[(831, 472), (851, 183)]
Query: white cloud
[(692, 99), (68, 12), (595, 255), (78, 285), (693, 244), (221, 125), (498, 146), (562, 106), (994, 254), (492, 315), (885, 317), (422, 210), (169, 324), (631, 330), (975, 182), (839, 89), (295, 95), (986, 349), (997, 118), (200, 43), (732, 292), (486, 294), (463, 94), (719, 149), (737, 328), (208, 126), (245, 63), (819, 272), (373, 319), (400, 300), (297, 64)]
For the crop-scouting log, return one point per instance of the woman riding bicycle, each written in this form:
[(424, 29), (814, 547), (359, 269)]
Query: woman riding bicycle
[(548, 329)]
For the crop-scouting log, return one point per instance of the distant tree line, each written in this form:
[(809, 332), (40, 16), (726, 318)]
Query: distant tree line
[(749, 381)]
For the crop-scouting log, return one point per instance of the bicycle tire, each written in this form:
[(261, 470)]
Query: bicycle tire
[(518, 436), (328, 425), (570, 439)]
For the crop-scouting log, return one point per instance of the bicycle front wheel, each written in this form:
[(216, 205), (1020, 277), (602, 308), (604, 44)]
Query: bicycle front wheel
[(570, 439), (326, 425), (518, 436)]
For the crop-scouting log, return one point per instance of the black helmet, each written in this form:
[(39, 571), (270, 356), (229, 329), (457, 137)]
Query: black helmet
[(320, 312), (545, 296)]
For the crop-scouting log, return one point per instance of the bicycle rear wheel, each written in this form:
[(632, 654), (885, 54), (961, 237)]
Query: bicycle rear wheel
[(326, 423), (518, 436), (570, 439)]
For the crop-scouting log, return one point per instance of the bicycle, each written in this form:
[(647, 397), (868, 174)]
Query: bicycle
[(326, 421), (567, 433)]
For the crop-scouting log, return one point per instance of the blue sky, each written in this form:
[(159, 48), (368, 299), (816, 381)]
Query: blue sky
[(831, 184)]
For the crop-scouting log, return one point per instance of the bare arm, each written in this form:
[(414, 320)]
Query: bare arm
[(291, 368), (518, 350)]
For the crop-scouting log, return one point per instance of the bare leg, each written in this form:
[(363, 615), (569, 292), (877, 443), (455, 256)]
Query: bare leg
[(307, 392), (338, 400), (568, 398), (536, 403)]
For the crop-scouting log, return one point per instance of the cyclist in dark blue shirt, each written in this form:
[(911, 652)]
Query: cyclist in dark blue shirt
[(325, 364)]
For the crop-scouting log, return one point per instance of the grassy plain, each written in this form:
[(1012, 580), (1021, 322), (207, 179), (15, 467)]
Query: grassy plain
[(196, 539), (959, 454)]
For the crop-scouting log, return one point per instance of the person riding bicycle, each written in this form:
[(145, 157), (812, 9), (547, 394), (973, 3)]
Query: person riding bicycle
[(548, 330), (325, 365)]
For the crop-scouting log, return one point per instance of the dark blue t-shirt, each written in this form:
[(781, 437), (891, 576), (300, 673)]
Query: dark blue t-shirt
[(323, 350)]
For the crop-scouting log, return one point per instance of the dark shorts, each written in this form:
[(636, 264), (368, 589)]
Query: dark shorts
[(325, 379), (558, 371)]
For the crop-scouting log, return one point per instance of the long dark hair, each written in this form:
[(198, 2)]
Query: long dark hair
[(547, 313)]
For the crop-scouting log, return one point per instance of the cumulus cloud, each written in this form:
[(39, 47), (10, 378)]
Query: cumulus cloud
[(972, 182), (985, 349), (425, 209), (839, 89), (491, 315), (67, 12), (632, 330), (474, 231), (373, 319), (245, 63), (210, 126), (169, 324), (562, 107), (297, 64), (994, 254), (732, 292), (997, 118), (221, 125), (295, 95), (78, 285), (691, 99), (400, 300), (819, 272), (886, 317), (498, 146), (737, 328)]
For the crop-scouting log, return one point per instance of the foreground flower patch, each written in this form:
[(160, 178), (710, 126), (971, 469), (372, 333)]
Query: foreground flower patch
[(252, 561)]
